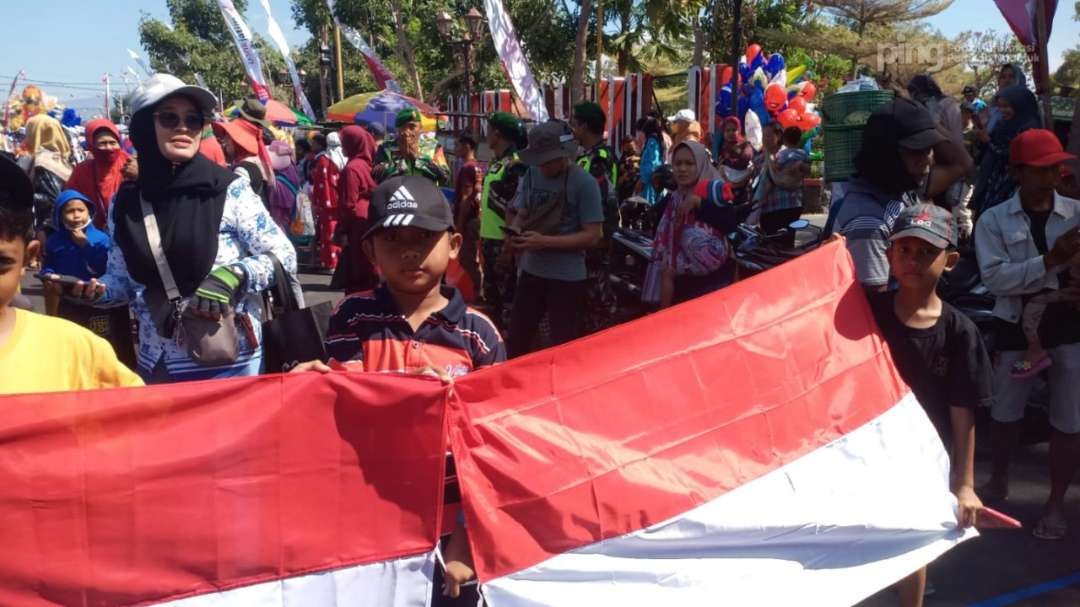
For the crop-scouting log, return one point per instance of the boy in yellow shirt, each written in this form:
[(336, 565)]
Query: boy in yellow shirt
[(41, 353)]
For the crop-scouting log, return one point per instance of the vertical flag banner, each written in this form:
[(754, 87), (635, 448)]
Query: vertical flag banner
[(241, 34), (758, 448), (143, 63), (514, 61), (383, 78), (278, 38)]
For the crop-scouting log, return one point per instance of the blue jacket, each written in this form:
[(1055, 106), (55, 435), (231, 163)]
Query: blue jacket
[(63, 256)]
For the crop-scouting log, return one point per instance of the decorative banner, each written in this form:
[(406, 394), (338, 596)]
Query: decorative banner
[(143, 63), (1021, 17), (514, 61), (278, 37), (245, 44), (383, 78)]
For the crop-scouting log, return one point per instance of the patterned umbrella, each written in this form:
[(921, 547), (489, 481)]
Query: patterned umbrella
[(380, 107), (277, 113)]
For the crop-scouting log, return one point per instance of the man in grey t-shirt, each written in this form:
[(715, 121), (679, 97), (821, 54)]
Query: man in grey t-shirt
[(552, 275)]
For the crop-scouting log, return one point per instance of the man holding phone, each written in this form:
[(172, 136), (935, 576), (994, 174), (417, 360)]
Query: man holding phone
[(556, 216)]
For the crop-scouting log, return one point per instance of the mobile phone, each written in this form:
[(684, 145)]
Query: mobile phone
[(988, 518), (511, 231), (60, 279)]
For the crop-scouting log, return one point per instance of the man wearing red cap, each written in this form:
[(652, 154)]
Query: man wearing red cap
[(1026, 247)]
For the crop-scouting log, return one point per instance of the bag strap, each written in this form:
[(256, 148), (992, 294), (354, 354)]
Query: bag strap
[(285, 181), (282, 289), (153, 236)]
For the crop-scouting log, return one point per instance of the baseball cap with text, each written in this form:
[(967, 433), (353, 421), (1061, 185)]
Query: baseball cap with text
[(409, 201), (926, 222)]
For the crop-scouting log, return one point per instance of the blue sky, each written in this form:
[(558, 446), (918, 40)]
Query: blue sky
[(76, 41)]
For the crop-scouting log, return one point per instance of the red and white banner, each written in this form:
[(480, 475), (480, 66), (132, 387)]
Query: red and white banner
[(754, 446), (245, 43), (270, 491), (513, 59), (383, 78), (278, 37)]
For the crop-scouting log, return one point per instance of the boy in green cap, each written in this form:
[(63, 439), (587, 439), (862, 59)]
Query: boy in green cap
[(411, 153)]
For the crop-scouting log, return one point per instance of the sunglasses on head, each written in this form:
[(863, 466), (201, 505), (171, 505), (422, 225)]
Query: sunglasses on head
[(172, 120)]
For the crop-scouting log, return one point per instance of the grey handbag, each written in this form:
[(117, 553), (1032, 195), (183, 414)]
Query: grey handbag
[(208, 342)]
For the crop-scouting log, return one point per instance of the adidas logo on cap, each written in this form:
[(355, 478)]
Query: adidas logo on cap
[(402, 199)]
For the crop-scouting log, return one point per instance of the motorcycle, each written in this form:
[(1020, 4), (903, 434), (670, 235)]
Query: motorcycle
[(756, 252)]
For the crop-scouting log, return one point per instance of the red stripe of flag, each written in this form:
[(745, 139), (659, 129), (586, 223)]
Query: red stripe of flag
[(628, 428), (142, 495)]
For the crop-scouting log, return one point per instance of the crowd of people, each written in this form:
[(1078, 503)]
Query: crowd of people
[(180, 228)]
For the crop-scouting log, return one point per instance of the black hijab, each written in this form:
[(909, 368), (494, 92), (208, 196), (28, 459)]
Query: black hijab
[(188, 201)]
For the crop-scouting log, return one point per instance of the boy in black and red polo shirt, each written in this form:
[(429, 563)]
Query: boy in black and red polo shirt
[(412, 323)]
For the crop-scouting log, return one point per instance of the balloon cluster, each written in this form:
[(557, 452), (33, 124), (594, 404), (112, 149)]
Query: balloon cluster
[(770, 91)]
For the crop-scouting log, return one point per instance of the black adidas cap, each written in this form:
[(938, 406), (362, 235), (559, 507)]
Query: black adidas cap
[(409, 201)]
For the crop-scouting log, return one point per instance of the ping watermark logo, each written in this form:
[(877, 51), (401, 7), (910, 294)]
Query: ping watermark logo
[(929, 55)]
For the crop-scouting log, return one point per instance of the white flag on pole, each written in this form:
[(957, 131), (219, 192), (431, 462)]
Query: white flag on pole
[(383, 78), (143, 63), (514, 61), (278, 37), (241, 34)]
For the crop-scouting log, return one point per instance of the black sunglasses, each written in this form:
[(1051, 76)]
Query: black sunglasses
[(171, 120)]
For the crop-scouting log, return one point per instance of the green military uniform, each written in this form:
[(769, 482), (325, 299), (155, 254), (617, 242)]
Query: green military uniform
[(500, 185), (600, 163), (430, 163)]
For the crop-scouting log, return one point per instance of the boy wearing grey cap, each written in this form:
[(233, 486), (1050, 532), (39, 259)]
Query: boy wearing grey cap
[(937, 350)]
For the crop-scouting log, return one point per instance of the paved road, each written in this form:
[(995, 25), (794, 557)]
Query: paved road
[(984, 569)]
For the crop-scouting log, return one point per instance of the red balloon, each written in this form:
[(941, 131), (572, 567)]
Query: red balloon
[(725, 75), (809, 91), (775, 97), (809, 121), (752, 51), (798, 104), (788, 118)]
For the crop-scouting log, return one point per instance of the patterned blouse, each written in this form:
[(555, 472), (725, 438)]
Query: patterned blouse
[(247, 233)]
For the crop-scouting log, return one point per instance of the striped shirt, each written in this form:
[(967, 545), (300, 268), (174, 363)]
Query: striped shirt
[(369, 329), (865, 219)]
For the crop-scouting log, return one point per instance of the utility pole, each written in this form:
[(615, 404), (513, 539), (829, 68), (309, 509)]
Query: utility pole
[(340, 68), (108, 105), (1042, 69), (599, 41), (324, 64)]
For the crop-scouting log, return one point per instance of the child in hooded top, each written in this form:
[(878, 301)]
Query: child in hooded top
[(77, 248)]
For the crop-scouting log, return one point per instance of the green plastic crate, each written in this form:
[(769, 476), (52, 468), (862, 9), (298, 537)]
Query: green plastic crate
[(842, 142), (853, 108)]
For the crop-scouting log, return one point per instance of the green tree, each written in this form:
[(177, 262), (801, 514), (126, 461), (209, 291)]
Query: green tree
[(198, 43), (985, 52), (1068, 73), (872, 22)]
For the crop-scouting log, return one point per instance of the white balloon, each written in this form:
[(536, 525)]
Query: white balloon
[(753, 130), (780, 77)]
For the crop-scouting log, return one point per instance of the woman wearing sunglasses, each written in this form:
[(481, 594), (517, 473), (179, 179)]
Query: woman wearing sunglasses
[(215, 233)]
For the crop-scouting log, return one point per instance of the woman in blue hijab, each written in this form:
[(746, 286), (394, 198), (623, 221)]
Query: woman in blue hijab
[(1018, 111)]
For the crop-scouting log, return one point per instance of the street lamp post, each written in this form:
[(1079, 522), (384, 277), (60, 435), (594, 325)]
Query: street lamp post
[(473, 23)]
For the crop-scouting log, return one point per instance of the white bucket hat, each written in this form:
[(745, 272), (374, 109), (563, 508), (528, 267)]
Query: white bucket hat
[(683, 116), (160, 86)]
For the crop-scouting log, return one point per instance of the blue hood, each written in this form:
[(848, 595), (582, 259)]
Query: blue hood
[(63, 199)]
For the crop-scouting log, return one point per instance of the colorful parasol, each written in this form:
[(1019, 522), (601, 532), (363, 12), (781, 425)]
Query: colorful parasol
[(277, 113), (380, 107)]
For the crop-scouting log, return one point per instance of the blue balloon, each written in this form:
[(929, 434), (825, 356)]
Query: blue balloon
[(776, 63), (744, 70), (723, 102), (758, 61), (757, 105)]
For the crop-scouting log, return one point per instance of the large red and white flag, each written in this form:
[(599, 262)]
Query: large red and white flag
[(245, 44), (258, 491), (753, 447)]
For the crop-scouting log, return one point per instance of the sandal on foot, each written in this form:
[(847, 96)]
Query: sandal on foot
[(1026, 369), (1050, 527)]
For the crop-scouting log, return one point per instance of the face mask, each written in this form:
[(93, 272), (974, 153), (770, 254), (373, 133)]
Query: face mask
[(106, 156)]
